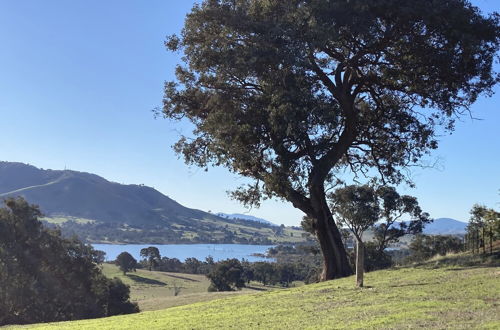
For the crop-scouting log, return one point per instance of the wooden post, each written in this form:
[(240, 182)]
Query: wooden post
[(360, 263)]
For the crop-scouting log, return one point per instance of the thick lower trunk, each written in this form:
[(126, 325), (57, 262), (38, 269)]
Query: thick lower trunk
[(360, 263), (335, 262)]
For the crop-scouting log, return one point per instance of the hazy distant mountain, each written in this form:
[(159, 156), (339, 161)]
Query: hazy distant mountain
[(245, 217), (445, 226), (124, 213)]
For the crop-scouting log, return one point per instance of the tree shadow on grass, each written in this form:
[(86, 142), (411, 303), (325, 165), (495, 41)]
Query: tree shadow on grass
[(182, 278), (410, 284), (255, 288), (145, 280)]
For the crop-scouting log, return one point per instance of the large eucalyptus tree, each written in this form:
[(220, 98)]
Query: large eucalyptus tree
[(293, 94)]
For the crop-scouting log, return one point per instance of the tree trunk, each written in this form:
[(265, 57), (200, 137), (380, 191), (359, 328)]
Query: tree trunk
[(335, 262), (484, 241), (360, 263), (491, 241), (478, 243)]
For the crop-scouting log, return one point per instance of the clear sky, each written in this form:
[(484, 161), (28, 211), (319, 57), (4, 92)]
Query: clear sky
[(78, 80)]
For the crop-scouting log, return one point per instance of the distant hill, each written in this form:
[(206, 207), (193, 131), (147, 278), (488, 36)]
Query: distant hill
[(445, 226), (245, 217), (123, 213), (85, 195)]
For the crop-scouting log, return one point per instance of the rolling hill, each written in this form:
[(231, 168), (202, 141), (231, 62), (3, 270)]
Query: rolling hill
[(239, 216), (445, 226), (121, 213)]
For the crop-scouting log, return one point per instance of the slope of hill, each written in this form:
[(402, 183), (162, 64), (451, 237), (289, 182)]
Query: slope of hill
[(457, 297), (114, 212), (85, 195), (236, 216)]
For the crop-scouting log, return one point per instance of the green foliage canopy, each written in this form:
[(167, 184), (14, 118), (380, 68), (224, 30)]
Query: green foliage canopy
[(393, 207), (126, 262), (45, 277), (226, 275), (292, 94), (152, 254), (287, 91)]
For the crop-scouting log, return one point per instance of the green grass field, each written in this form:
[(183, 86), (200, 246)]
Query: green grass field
[(155, 290), (453, 292), (64, 219)]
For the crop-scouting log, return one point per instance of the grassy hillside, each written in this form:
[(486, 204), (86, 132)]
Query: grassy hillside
[(155, 290), (100, 211), (443, 293)]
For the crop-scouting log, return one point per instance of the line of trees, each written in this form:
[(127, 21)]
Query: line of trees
[(231, 274), (483, 229), (424, 247)]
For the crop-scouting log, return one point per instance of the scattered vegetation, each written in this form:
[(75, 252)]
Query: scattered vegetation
[(205, 230), (154, 290), (433, 294)]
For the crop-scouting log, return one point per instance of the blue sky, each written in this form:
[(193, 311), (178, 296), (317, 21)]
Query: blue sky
[(78, 80)]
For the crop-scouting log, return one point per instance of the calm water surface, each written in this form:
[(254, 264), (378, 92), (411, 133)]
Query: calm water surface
[(183, 251)]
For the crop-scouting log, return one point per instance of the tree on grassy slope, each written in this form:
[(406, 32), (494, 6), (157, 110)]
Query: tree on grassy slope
[(291, 94), (356, 207), (152, 255), (226, 275), (393, 207), (126, 262), (46, 278)]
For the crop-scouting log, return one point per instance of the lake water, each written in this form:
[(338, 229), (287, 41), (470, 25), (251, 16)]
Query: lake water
[(183, 251)]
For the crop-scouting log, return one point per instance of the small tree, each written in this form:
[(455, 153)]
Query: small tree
[(126, 262), (356, 207), (265, 273), (492, 223), (152, 254), (392, 208), (226, 275), (119, 298), (176, 288)]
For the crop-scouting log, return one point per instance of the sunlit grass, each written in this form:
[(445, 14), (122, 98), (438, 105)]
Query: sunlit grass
[(61, 220), (154, 290), (454, 297)]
